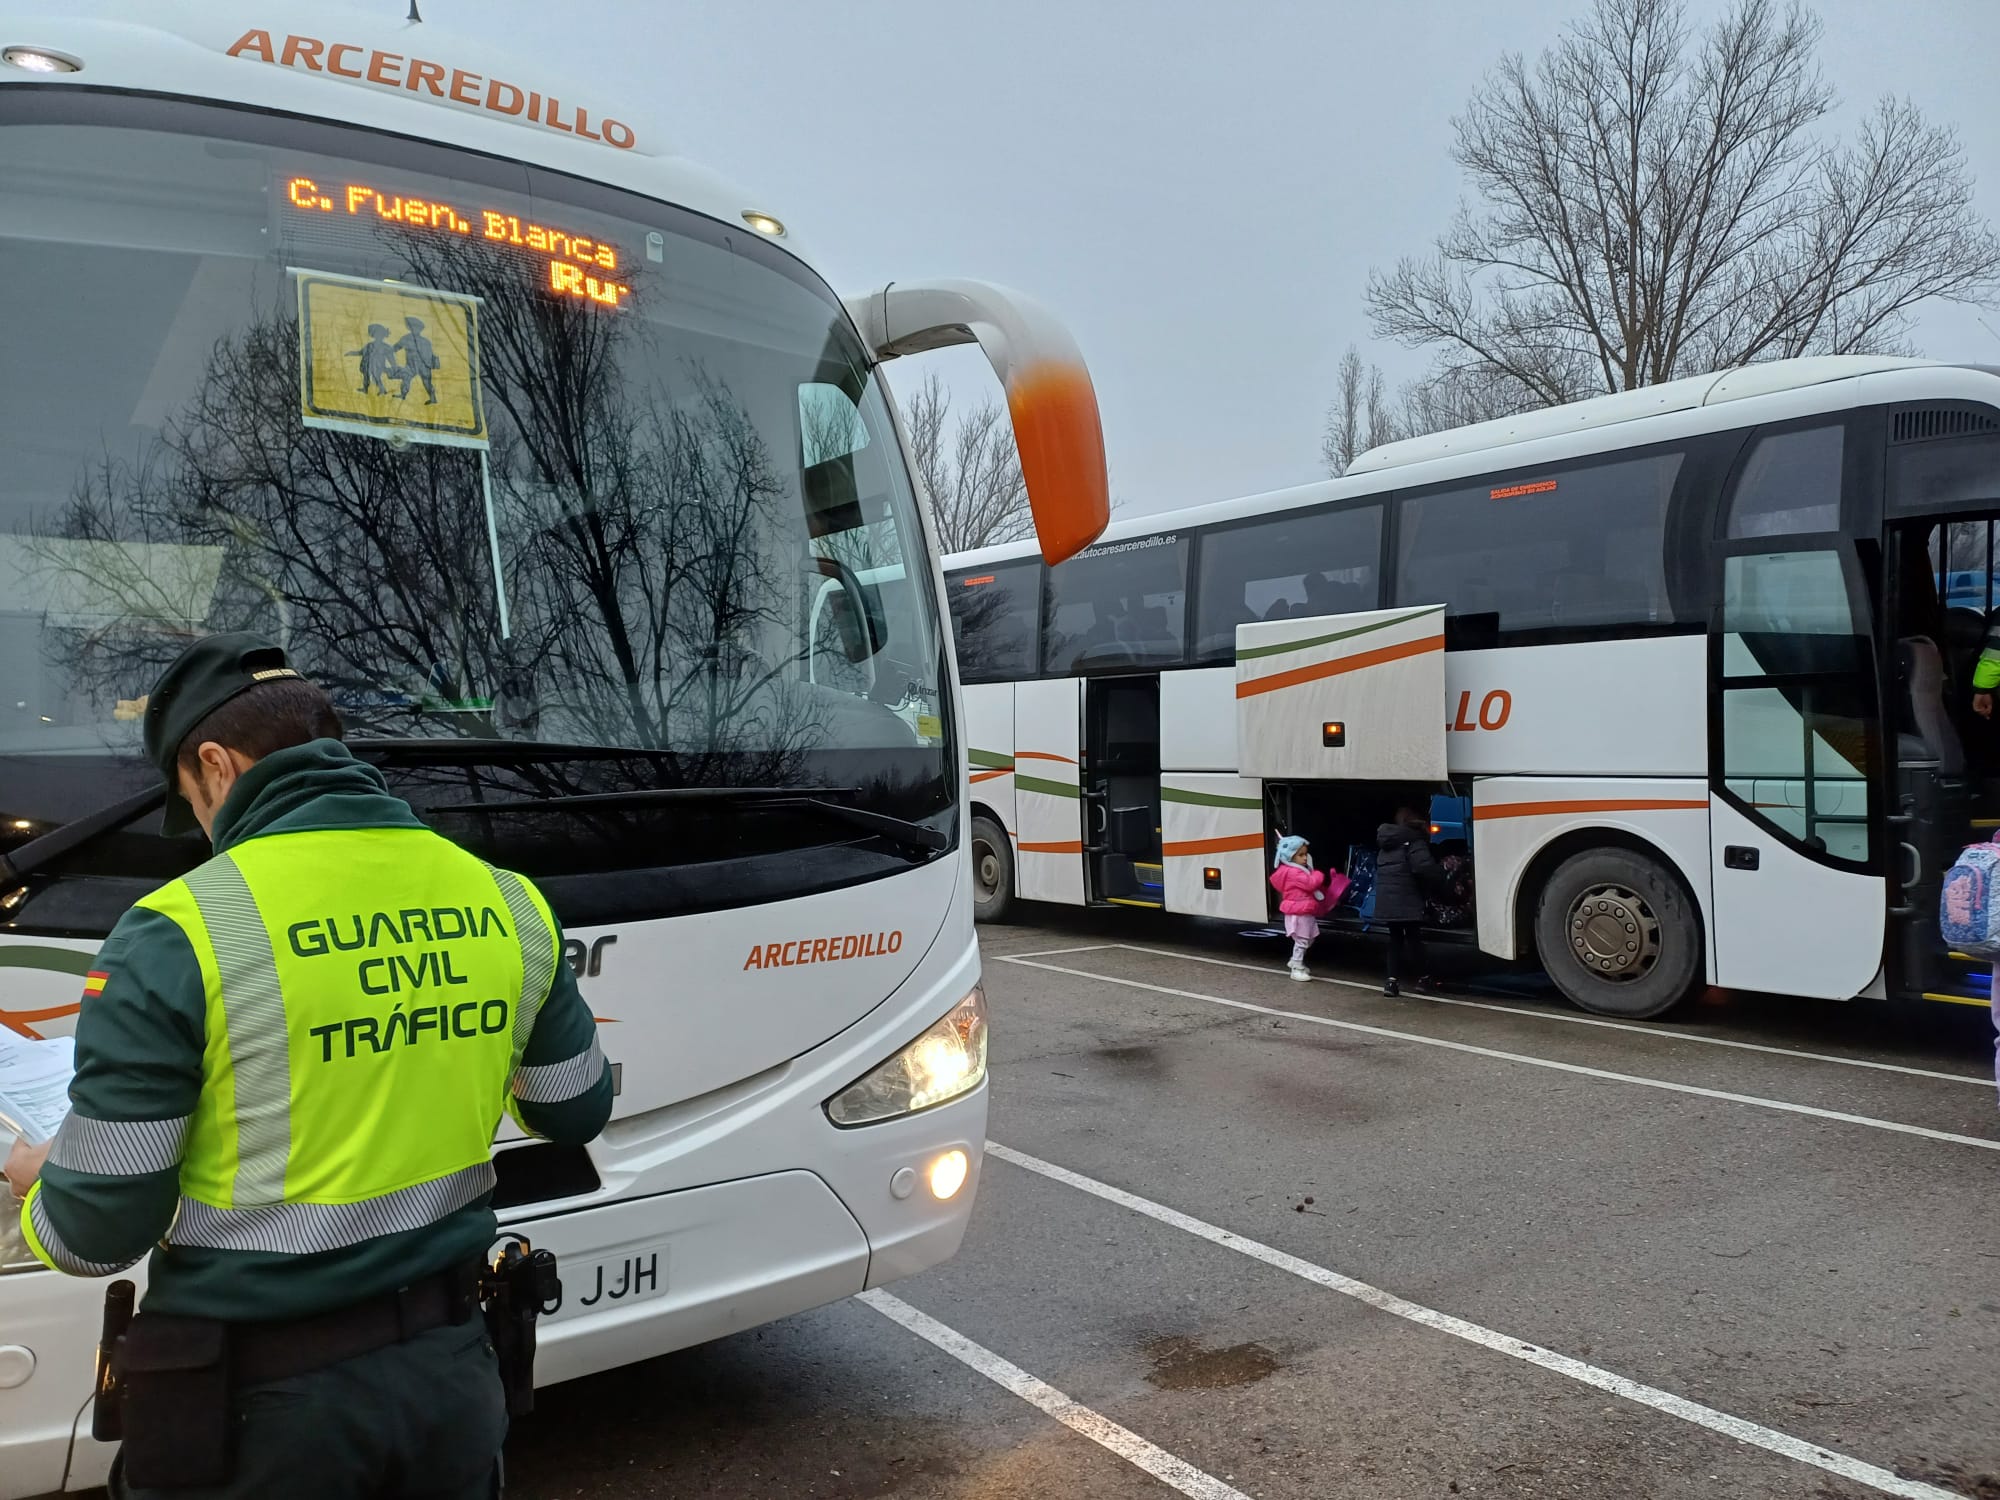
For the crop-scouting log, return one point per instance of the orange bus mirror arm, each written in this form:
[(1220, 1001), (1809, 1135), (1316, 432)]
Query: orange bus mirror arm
[(1049, 394)]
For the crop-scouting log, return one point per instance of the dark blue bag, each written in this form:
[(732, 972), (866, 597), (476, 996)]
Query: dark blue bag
[(1360, 894)]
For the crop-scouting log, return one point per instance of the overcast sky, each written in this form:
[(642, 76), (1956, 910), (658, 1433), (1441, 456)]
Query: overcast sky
[(1198, 187)]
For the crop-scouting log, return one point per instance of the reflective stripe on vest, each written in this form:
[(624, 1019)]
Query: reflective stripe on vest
[(254, 1011), (538, 956), (369, 993), (301, 1228)]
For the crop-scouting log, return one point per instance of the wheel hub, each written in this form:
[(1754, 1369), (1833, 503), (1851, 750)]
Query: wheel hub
[(985, 867), (1614, 933)]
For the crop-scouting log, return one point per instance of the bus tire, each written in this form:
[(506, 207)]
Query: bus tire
[(1619, 935), (992, 871)]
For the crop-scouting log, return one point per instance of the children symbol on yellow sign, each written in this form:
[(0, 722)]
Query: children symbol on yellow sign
[(379, 361), (378, 358), (359, 371), (419, 360)]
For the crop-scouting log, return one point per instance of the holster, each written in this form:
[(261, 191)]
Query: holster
[(517, 1289), (173, 1375)]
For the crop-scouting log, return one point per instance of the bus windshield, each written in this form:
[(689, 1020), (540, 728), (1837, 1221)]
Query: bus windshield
[(500, 456)]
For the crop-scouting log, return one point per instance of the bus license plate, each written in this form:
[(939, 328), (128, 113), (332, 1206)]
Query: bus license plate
[(590, 1286)]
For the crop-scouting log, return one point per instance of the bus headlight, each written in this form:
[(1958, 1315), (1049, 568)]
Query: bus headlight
[(946, 1061)]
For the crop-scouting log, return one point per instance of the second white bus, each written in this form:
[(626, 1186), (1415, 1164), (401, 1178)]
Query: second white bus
[(1697, 658)]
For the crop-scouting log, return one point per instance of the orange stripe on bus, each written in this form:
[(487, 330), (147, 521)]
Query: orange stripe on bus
[(1232, 844), (1338, 666), (1043, 755), (18, 1021), (1073, 846), (1613, 804), (989, 775)]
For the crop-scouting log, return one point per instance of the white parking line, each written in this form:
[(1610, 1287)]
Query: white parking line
[(1077, 1417), (1664, 1034), (1055, 952), (1742, 1431), (1785, 1106)]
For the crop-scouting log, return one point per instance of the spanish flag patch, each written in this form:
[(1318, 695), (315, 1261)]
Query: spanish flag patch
[(93, 983)]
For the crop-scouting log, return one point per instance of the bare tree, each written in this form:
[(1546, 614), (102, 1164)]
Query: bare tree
[(1363, 415), (1360, 417), (970, 467), (1649, 203), (1458, 398)]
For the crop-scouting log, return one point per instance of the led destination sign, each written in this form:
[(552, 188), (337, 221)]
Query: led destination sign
[(578, 265)]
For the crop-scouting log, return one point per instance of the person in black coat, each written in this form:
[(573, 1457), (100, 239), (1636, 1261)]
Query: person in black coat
[(1404, 869)]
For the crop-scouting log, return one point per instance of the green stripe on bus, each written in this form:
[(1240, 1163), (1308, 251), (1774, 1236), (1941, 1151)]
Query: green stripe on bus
[(1327, 640), (53, 960), (992, 758), (1048, 788), (1209, 799)]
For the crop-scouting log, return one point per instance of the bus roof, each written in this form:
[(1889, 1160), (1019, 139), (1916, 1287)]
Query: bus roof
[(368, 68), (1629, 406), (1443, 456)]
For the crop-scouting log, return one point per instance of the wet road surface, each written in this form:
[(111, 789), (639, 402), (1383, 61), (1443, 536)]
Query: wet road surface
[(1245, 1236)]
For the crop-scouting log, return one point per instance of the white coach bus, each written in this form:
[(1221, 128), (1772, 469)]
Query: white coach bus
[(1698, 657), (555, 462)]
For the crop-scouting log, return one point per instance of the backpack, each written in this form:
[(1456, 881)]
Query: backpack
[(1969, 906)]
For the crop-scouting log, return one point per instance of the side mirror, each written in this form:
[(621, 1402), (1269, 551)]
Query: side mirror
[(1049, 394)]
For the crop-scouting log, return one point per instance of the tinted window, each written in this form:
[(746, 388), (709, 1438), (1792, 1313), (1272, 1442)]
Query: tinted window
[(1579, 547), (1928, 475), (1306, 563), (1798, 721), (993, 613), (1790, 484), (1120, 605)]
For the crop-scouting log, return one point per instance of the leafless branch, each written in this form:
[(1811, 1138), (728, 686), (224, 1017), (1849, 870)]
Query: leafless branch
[(970, 467), (1648, 203)]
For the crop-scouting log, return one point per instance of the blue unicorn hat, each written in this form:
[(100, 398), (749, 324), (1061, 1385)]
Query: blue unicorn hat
[(1288, 846)]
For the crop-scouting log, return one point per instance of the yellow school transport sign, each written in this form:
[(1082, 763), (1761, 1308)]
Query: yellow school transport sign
[(390, 361)]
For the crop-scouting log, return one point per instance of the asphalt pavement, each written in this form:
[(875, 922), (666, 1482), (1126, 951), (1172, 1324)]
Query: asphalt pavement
[(1247, 1237)]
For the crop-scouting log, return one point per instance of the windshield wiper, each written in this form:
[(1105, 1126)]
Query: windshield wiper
[(814, 799), (49, 847)]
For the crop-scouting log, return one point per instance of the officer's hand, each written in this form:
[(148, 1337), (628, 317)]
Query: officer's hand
[(1982, 704), (24, 1165)]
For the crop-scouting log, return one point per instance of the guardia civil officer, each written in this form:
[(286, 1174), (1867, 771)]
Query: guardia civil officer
[(287, 1088)]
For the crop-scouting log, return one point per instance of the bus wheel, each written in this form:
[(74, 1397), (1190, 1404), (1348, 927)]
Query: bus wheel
[(1618, 934), (992, 871)]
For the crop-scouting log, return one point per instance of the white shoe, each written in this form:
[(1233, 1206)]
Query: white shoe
[(1298, 972)]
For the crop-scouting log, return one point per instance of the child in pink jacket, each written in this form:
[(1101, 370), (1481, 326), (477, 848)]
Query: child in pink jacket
[(1304, 894)]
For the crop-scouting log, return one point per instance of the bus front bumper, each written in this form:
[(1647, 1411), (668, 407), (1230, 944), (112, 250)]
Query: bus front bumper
[(641, 1277)]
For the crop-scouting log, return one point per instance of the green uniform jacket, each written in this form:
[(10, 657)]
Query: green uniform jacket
[(140, 1045)]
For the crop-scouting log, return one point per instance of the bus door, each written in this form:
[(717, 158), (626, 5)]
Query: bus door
[(1048, 790), (1357, 697), (1941, 596), (1121, 790), (1796, 852), (1927, 648)]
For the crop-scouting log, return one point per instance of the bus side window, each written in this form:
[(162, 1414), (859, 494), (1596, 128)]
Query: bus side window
[(1300, 563), (1791, 484), (1571, 548), (995, 615), (1123, 604)]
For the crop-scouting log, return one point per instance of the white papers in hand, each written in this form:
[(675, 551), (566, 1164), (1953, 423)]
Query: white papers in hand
[(34, 1084)]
